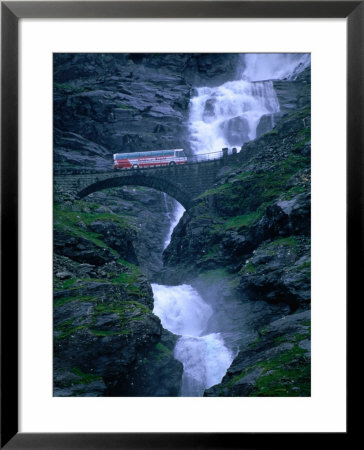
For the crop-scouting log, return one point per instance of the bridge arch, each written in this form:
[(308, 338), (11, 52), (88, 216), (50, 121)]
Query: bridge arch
[(160, 184)]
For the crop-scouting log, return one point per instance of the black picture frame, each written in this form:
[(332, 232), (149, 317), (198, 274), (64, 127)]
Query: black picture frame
[(11, 12)]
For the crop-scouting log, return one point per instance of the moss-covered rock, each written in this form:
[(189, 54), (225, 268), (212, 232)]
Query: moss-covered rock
[(279, 271), (275, 364), (107, 341)]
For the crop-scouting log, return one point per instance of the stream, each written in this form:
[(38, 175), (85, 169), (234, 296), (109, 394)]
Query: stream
[(205, 357)]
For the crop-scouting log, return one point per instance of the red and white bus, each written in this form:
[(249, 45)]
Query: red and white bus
[(149, 159)]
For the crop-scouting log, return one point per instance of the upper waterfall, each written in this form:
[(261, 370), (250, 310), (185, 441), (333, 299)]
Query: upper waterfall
[(272, 66), (229, 115), (240, 110)]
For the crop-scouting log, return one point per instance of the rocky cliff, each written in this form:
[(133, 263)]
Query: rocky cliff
[(107, 341)]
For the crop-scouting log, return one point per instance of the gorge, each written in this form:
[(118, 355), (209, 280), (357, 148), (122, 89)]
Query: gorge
[(230, 313)]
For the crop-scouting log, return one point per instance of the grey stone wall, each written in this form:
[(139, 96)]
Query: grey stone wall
[(184, 183)]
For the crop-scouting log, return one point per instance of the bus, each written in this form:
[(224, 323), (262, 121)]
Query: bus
[(149, 159)]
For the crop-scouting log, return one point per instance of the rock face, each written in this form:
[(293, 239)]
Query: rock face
[(148, 212), (107, 341), (276, 363), (279, 271), (294, 94)]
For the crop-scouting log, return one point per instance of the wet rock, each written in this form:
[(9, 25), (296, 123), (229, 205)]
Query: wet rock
[(69, 384), (236, 130), (80, 249), (107, 341), (63, 275), (279, 271), (276, 363), (117, 238)]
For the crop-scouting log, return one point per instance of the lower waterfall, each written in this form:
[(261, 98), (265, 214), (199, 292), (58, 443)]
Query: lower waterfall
[(205, 357)]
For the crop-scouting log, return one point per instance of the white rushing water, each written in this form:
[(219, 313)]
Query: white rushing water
[(229, 115), (205, 357), (174, 215), (272, 66)]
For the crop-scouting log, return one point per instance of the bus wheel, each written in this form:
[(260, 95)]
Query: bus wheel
[(172, 163), (135, 166)]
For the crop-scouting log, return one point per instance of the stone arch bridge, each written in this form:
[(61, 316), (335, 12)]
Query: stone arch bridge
[(183, 182)]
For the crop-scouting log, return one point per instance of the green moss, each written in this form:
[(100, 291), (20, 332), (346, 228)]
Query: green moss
[(303, 137), (300, 337), (249, 268), (297, 114), (126, 277), (84, 298), (68, 88), (287, 375), (129, 280), (293, 339), (90, 236), (122, 308), (272, 182), (255, 342), (101, 333), (67, 330), (163, 351), (86, 214), (69, 221), (292, 192), (290, 241), (127, 311), (306, 265), (236, 378), (244, 220), (211, 255), (131, 266), (125, 107), (86, 378), (217, 190), (67, 283), (273, 132), (280, 339), (245, 197)]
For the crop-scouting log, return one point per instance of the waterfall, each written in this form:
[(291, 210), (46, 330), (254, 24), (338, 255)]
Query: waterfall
[(166, 207), (237, 111), (228, 115), (272, 66), (205, 357), (174, 215)]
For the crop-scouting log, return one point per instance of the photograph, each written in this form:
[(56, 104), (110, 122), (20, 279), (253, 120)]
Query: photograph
[(181, 224)]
